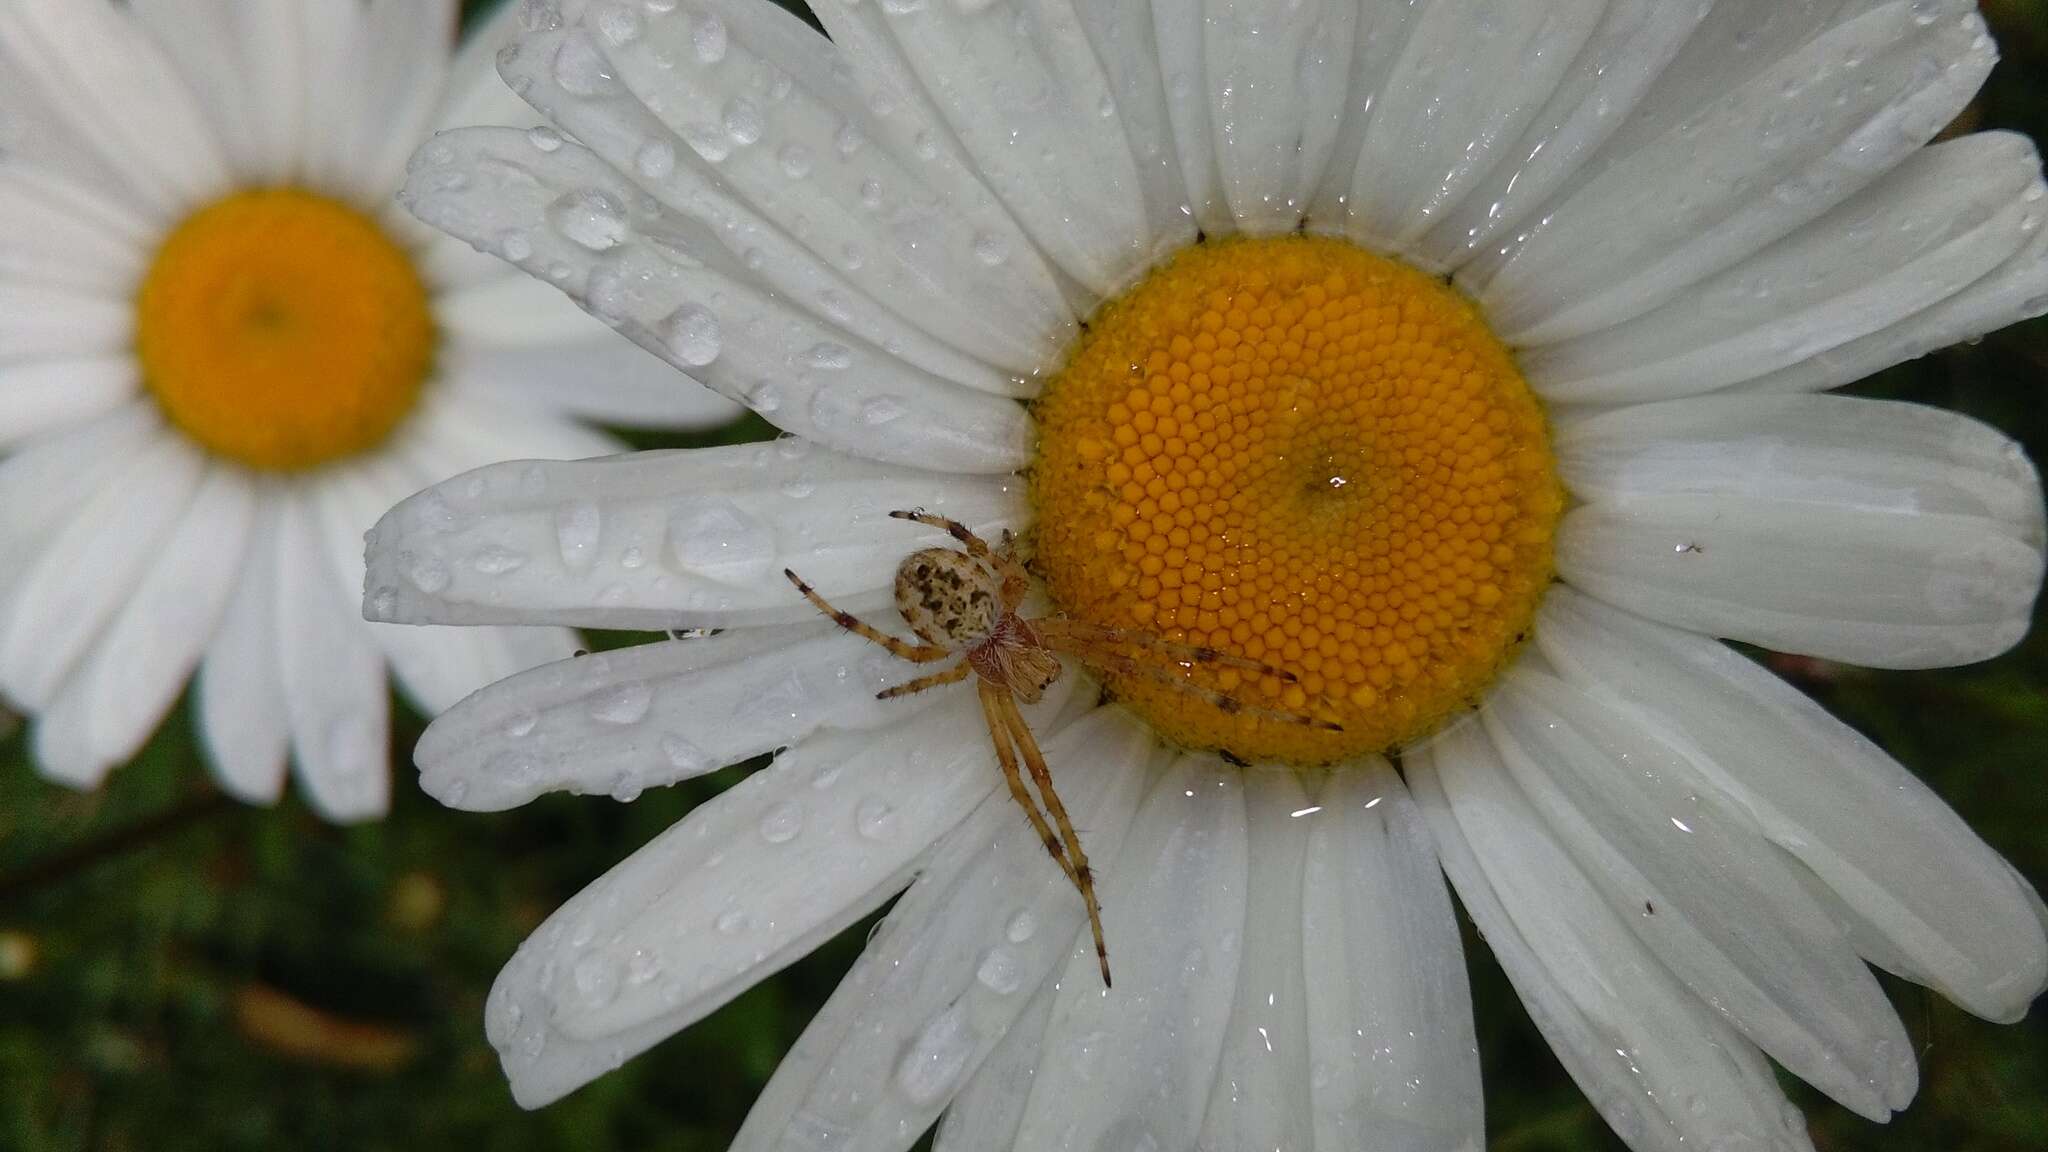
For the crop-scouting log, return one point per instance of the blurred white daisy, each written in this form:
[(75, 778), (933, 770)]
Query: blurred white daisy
[(1668, 228), (223, 352)]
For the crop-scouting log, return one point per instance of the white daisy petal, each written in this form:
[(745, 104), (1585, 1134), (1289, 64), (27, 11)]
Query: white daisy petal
[(48, 322), (402, 66), (760, 139), (1944, 902), (747, 883), (80, 578), (712, 321), (958, 960), (1472, 77), (1020, 87), (1666, 1073), (2016, 290), (616, 381), (1389, 1014), (1888, 535), (1949, 215), (63, 234), (115, 91), (201, 37), (436, 666), (40, 396), (1135, 1065), (240, 699), (1276, 74), (509, 310), (1691, 876), (274, 55), (45, 484), (137, 668), (1182, 70), (332, 677), (1744, 168), (1383, 29), (1629, 48), (986, 1114), (474, 94), (1125, 36), (695, 539), (1260, 1098), (620, 722)]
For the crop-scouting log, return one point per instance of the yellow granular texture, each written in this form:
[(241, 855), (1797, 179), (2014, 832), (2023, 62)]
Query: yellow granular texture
[(1298, 452), (283, 330)]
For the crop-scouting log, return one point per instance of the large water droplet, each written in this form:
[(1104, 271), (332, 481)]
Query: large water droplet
[(999, 972), (656, 159), (692, 335), (427, 573), (683, 755), (780, 824), (596, 980), (619, 23), (709, 39), (932, 1064), (596, 220), (544, 139), (875, 819), (1022, 925), (494, 560), (577, 527), (742, 120), (580, 66), (714, 538), (795, 160), (622, 704)]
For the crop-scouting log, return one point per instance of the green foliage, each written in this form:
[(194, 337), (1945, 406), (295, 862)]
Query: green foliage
[(160, 946)]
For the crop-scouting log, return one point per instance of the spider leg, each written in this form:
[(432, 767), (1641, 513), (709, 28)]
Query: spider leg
[(1083, 878), (916, 653), (1116, 662), (1016, 581), (1006, 755), (953, 675), (1055, 629)]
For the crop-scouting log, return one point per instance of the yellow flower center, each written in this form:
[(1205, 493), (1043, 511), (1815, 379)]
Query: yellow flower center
[(283, 330), (1303, 454)]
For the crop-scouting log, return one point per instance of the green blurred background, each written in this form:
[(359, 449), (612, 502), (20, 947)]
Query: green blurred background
[(177, 971)]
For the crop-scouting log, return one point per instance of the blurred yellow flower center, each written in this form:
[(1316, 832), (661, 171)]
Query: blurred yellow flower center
[(1307, 455), (283, 330)]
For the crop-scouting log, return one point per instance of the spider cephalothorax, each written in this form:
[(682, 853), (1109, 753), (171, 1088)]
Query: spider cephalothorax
[(963, 605)]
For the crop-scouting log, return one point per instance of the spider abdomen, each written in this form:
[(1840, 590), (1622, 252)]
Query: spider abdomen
[(947, 598)]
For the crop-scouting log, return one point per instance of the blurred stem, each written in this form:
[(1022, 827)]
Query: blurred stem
[(84, 857)]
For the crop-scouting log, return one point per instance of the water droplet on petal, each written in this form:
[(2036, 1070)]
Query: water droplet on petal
[(577, 527), (781, 823), (931, 1066), (999, 972), (875, 819), (1022, 925), (593, 219), (709, 39), (692, 335), (714, 538), (655, 160), (683, 755), (622, 704)]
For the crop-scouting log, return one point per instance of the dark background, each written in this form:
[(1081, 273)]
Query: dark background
[(177, 971)]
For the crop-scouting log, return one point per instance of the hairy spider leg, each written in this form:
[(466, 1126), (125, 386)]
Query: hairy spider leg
[(1007, 726), (1016, 580), (1092, 653), (1055, 628), (916, 653), (953, 675)]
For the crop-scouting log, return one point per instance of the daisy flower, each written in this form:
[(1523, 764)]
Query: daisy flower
[(224, 351), (1463, 362)]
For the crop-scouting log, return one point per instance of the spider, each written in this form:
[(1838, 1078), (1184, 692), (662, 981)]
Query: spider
[(964, 604)]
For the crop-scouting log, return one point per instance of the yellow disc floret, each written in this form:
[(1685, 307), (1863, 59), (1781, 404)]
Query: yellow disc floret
[(283, 330), (1300, 453)]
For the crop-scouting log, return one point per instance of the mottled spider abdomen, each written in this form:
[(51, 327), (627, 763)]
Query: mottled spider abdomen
[(947, 598)]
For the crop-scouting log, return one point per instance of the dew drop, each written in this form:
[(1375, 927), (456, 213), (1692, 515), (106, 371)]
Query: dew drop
[(709, 39), (882, 410), (999, 971), (714, 538), (577, 527), (683, 755), (691, 334), (781, 823), (875, 819), (933, 1062), (595, 980), (593, 219), (989, 249), (514, 245), (496, 561), (544, 139), (795, 160), (655, 160), (580, 67), (619, 23), (731, 922), (622, 704), (521, 724), (827, 355), (742, 120), (427, 573), (1022, 925)]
